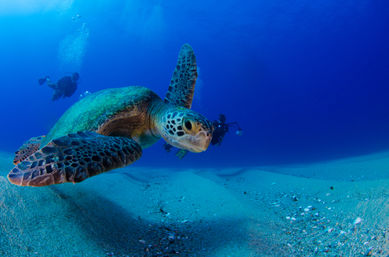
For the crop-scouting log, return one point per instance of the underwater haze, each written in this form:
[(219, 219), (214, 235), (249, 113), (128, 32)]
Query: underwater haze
[(304, 173), (306, 80)]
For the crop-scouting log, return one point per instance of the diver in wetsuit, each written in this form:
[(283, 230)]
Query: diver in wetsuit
[(220, 130), (64, 87)]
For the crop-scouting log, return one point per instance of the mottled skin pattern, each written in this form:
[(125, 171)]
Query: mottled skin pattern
[(109, 129), (182, 84), (185, 129)]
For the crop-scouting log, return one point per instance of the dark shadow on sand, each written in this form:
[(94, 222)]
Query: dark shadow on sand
[(116, 231)]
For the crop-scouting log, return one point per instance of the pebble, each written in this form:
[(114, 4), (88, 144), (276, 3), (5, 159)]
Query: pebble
[(171, 236), (325, 222), (357, 221)]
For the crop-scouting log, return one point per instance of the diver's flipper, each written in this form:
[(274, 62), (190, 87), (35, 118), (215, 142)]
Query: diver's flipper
[(42, 81), (182, 84), (73, 158), (28, 148)]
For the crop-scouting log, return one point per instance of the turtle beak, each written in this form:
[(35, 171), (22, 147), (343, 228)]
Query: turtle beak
[(200, 142), (194, 144)]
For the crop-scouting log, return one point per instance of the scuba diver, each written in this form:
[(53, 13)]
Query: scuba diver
[(220, 129), (64, 87)]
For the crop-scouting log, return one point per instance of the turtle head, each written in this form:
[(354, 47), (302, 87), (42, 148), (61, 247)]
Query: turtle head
[(185, 129)]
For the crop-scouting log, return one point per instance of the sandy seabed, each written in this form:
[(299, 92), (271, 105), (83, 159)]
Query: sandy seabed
[(322, 209)]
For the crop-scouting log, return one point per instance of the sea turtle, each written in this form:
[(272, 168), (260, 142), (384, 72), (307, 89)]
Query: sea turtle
[(109, 129)]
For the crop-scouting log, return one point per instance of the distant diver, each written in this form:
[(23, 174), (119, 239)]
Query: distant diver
[(65, 87), (220, 129)]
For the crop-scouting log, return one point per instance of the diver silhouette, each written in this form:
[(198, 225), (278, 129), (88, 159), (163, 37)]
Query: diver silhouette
[(64, 87), (221, 128)]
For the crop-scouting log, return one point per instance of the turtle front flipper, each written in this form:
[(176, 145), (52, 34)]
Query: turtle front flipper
[(28, 148), (73, 158), (181, 88)]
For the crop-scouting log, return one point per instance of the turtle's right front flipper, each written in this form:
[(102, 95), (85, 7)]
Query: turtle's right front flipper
[(182, 84), (73, 158)]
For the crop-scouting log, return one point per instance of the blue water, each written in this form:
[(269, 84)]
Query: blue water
[(306, 80)]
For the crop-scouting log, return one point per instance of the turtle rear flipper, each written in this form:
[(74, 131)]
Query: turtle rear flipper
[(181, 88), (28, 148), (73, 158)]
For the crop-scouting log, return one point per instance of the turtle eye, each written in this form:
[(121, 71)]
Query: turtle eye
[(188, 125)]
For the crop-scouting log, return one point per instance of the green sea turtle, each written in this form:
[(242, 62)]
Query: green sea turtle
[(109, 129)]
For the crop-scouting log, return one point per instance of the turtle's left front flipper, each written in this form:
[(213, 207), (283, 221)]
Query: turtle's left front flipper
[(73, 158)]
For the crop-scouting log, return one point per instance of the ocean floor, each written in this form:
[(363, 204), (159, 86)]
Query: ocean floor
[(202, 212)]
